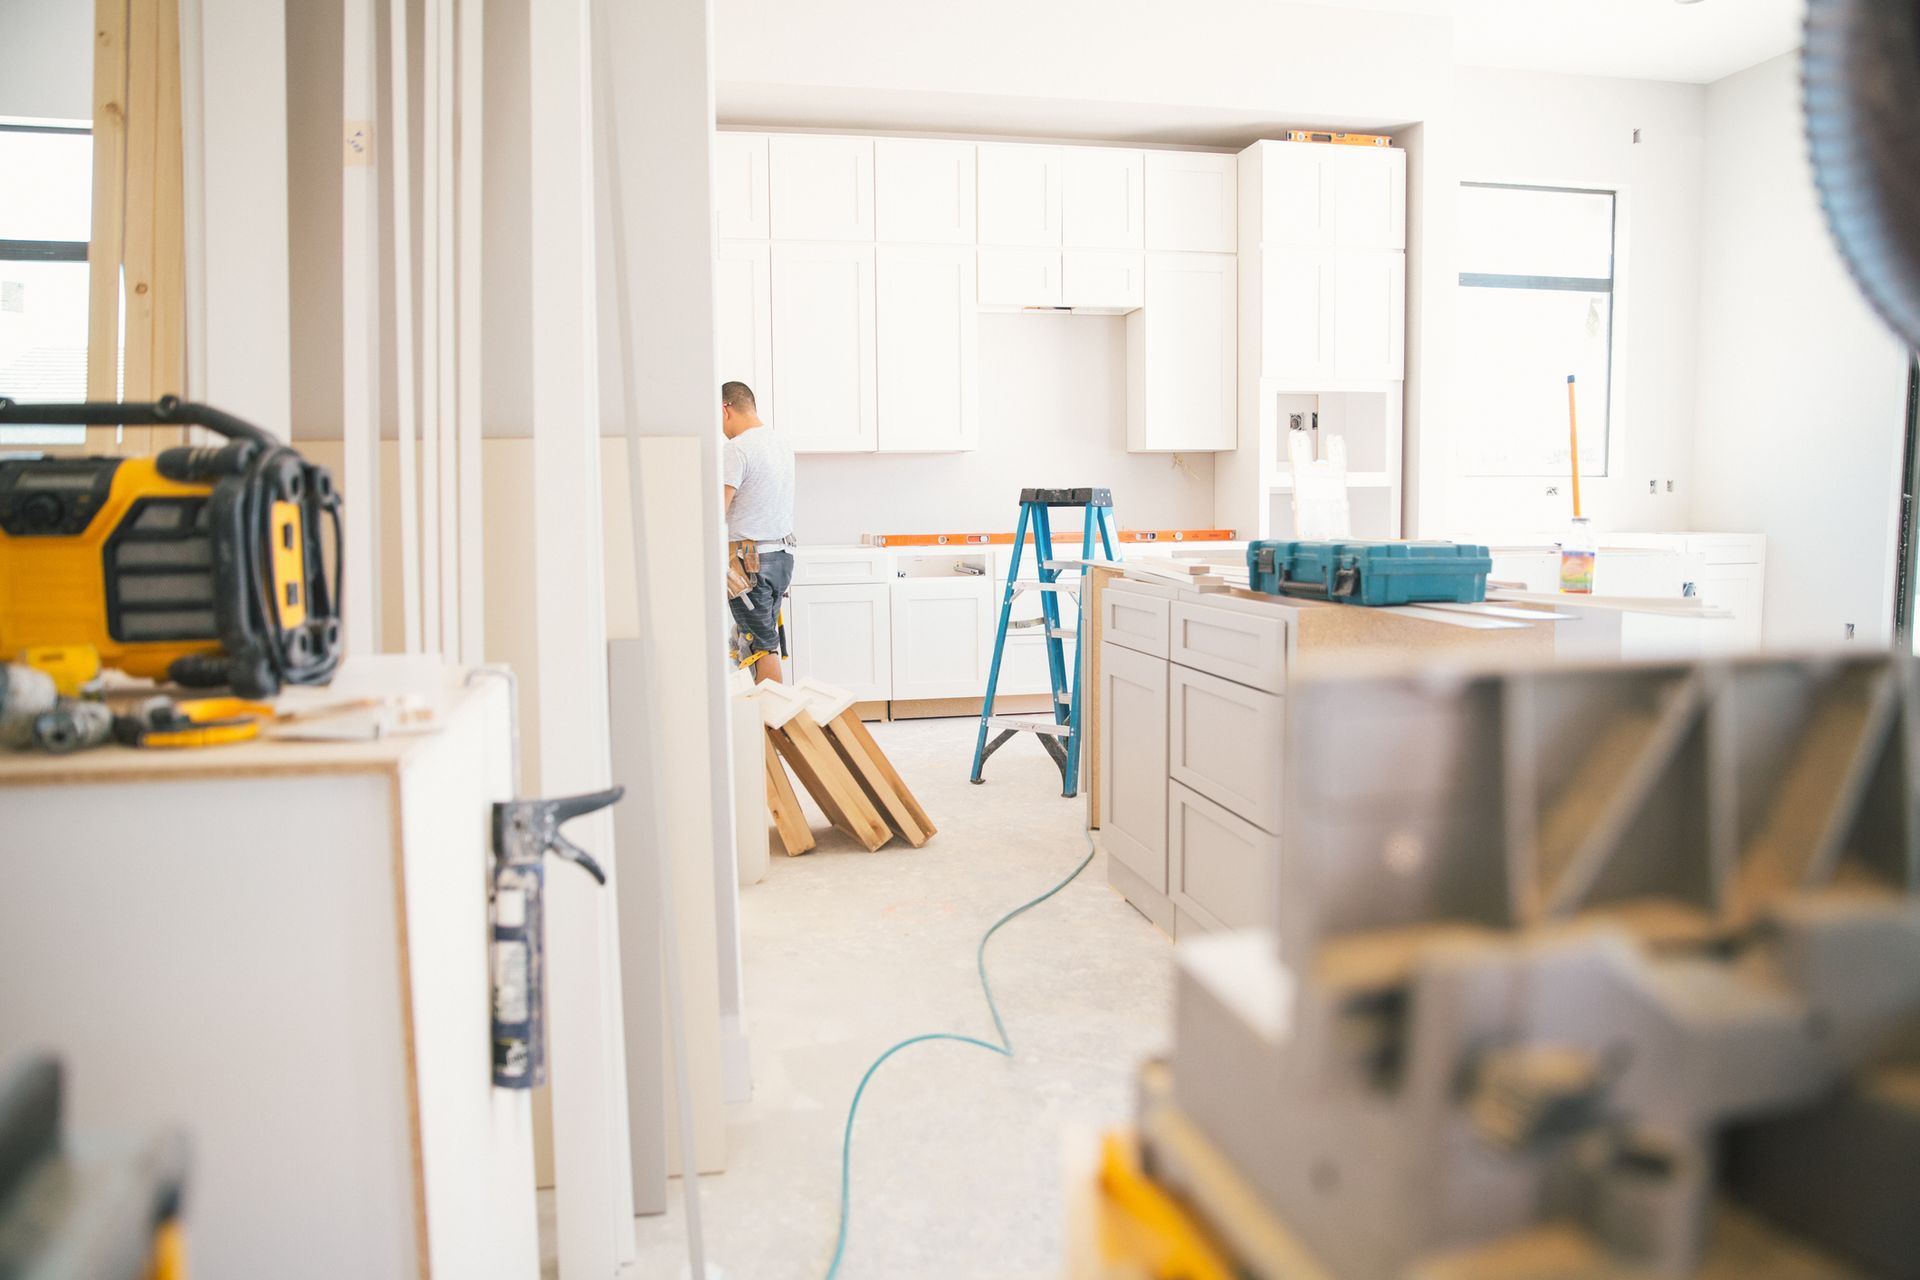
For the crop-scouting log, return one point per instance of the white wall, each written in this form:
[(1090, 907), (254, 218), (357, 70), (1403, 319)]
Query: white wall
[(1576, 131), (49, 59), (1053, 411), (1801, 397)]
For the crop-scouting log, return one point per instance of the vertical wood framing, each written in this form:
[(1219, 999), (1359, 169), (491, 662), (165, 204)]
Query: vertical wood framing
[(169, 360), (430, 320), (472, 646), (447, 536), (143, 41), (400, 151), (109, 201)]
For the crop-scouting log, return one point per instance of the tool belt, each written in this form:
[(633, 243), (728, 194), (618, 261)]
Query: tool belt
[(743, 566)]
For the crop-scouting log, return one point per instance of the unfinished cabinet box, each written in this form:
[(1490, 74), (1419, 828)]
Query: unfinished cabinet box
[(1220, 867), (923, 191), (743, 318), (740, 186), (925, 353), (821, 187), (1019, 195), (1102, 279), (1014, 279), (942, 637), (1102, 198), (1133, 762), (1191, 202), (823, 345), (843, 634), (1223, 740), (1180, 355)]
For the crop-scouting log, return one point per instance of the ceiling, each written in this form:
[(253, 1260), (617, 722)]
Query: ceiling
[(1637, 39)]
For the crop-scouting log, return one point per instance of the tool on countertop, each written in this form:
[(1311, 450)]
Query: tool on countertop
[(202, 565), (1060, 735), (524, 833), (1371, 573)]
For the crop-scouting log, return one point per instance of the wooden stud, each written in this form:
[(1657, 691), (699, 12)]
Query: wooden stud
[(854, 740), (825, 776), (472, 646), (431, 230), (400, 171), (168, 369), (143, 39), (448, 468), (789, 819), (108, 245)]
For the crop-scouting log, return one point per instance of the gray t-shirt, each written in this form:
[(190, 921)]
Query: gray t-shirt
[(759, 466)]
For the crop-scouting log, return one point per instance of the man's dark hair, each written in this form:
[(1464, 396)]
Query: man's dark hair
[(738, 396)]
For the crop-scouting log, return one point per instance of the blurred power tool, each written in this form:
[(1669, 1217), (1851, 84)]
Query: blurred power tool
[(204, 566), (91, 1207), (524, 832)]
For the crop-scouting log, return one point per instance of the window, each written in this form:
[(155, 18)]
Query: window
[(1535, 304), (46, 220)]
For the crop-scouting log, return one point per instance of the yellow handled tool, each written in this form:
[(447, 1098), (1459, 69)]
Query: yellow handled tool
[(199, 722)]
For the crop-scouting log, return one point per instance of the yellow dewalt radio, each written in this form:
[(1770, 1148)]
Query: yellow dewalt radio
[(202, 565)]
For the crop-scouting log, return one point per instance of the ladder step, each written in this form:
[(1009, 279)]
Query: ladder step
[(1062, 633), (1047, 727), (1064, 566), (1064, 699), (1018, 587)]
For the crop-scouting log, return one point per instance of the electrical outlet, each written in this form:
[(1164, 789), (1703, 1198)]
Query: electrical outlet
[(1296, 422), (1669, 486), (1553, 491), (1653, 486), (1849, 631)]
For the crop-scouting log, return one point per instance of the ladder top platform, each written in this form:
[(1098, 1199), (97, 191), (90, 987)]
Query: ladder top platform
[(1068, 497)]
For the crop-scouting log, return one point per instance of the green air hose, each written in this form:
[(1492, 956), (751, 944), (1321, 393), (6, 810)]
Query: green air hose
[(1004, 1049)]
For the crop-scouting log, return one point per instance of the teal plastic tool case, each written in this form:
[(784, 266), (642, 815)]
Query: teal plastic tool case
[(1371, 573)]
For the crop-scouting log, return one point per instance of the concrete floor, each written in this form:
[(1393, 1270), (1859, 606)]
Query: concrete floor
[(958, 1153)]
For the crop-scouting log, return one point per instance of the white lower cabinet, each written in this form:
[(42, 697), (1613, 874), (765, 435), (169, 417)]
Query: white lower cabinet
[(942, 637), (1133, 762), (1220, 867), (843, 635), (1224, 740)]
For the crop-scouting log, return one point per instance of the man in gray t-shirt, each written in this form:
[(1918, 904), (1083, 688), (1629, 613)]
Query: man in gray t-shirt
[(757, 466)]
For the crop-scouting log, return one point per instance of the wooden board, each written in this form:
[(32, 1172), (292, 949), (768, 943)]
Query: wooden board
[(881, 781), (109, 208), (788, 817), (804, 747)]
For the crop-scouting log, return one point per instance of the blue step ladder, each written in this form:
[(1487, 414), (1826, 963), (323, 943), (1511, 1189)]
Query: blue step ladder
[(1060, 736)]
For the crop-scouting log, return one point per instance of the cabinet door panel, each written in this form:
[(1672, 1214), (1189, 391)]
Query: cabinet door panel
[(1133, 762), (923, 191), (1191, 201), (842, 635), (1014, 278), (1220, 867), (823, 343), (821, 187), (1105, 278), (1366, 191), (1224, 740), (942, 637), (740, 186), (1293, 197), (1369, 310), (925, 348), (743, 319), (1102, 198), (1295, 311), (1019, 195), (1187, 358)]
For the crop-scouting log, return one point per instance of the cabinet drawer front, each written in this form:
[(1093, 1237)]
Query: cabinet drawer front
[(1136, 621), (1224, 740), (1133, 762), (1015, 278), (1244, 647), (826, 568), (1220, 867), (1111, 278)]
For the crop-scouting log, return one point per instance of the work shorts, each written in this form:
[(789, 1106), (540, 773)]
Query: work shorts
[(757, 613)]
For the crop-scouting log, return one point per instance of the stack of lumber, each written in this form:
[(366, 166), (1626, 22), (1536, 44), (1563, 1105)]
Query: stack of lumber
[(812, 728)]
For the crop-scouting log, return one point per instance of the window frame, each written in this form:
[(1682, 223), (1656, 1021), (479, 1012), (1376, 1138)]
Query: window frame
[(1609, 285), (72, 251)]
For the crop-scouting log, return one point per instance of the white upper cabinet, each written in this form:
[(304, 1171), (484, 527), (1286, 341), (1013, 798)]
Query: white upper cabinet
[(1103, 198), (1334, 196), (1296, 306), (926, 342), (822, 187), (1181, 361), (823, 343), (1014, 279), (923, 191), (1191, 198), (1102, 279), (740, 186), (743, 319), (1019, 195), (1333, 314)]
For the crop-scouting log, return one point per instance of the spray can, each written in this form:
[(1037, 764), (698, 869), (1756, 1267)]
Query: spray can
[(1577, 551)]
